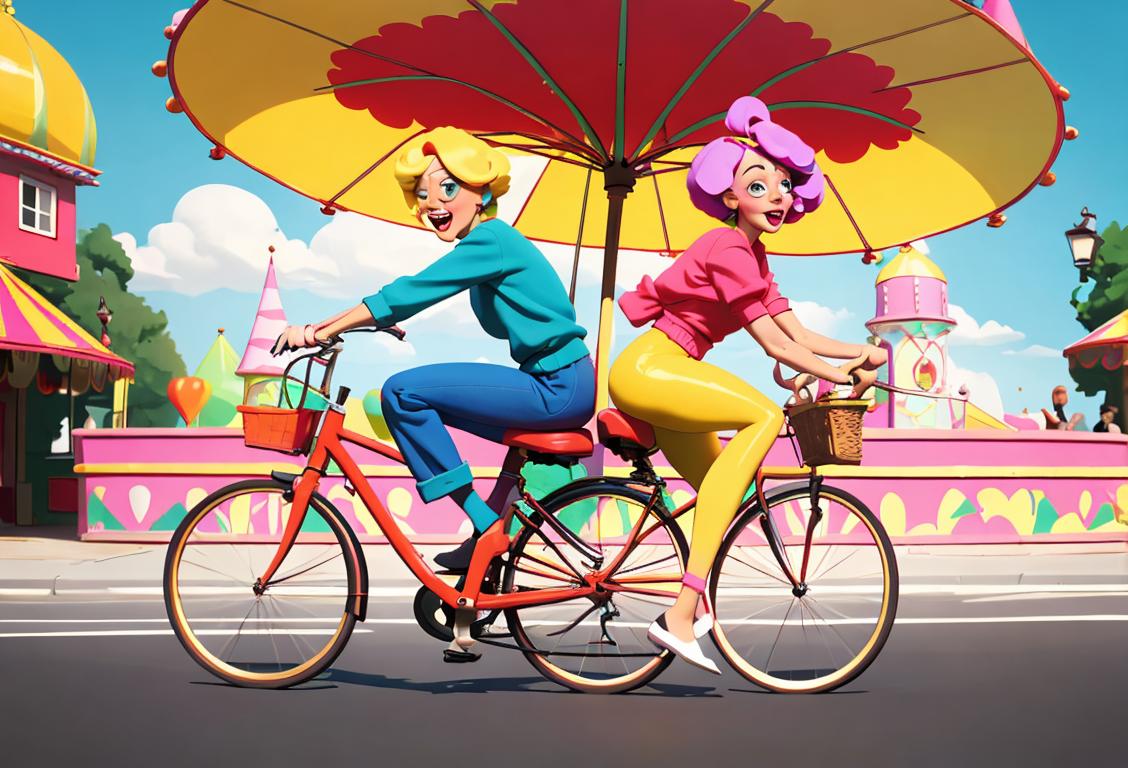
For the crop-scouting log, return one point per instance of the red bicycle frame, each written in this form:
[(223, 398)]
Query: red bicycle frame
[(331, 446)]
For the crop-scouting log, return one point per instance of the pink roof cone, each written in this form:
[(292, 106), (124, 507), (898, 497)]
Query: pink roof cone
[(270, 321), (1002, 12)]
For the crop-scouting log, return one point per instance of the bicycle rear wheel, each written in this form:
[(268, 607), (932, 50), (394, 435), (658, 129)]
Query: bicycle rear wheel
[(296, 627), (825, 633), (596, 644)]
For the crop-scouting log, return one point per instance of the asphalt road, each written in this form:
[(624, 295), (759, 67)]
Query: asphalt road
[(1026, 679)]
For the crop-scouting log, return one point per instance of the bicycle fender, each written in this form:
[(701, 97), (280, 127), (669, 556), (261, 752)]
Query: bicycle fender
[(358, 600)]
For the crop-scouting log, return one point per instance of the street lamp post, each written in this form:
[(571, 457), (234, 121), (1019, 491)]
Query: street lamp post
[(1084, 243), (105, 316)]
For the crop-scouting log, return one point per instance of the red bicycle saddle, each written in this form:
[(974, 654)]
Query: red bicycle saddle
[(617, 427), (572, 442)]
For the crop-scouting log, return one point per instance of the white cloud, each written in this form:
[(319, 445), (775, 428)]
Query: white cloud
[(820, 319), (218, 238), (982, 389), (1034, 350), (968, 332)]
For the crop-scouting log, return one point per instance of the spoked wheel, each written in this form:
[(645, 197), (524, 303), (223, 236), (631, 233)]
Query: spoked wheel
[(825, 632), (272, 637), (596, 644)]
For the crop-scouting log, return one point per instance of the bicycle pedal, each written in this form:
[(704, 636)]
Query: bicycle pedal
[(460, 657)]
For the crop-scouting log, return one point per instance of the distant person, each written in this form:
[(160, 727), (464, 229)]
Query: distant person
[(1058, 419), (1106, 422)]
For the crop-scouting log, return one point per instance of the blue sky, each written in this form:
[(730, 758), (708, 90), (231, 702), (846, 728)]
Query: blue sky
[(1018, 276)]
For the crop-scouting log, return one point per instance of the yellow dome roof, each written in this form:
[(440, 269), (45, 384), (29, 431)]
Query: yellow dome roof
[(910, 263), (42, 102)]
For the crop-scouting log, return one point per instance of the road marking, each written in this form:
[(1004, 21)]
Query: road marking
[(624, 624), (1042, 596), (1119, 589), (162, 632), (287, 591)]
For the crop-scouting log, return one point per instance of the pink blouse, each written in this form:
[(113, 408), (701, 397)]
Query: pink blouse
[(720, 284)]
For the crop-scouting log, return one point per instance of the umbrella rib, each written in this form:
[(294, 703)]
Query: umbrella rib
[(371, 168), (442, 78), (850, 49), (621, 83), (799, 67), (661, 213), (799, 105), (398, 63), (844, 108), (661, 171), (531, 60), (942, 78), (326, 37), (580, 150), (849, 215), (696, 74), (579, 240), (532, 150)]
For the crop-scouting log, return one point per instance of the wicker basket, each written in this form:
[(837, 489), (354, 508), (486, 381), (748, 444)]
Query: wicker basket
[(289, 430), (829, 431)]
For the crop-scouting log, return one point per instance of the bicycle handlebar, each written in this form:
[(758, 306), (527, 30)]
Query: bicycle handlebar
[(325, 353)]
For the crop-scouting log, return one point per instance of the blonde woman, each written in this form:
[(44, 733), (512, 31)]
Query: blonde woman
[(452, 181), (757, 179)]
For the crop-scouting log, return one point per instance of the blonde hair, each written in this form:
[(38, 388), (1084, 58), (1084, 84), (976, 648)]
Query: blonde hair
[(468, 158)]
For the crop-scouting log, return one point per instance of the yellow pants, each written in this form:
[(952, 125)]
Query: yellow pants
[(688, 401)]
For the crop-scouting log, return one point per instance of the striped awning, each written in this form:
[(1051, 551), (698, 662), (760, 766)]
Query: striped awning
[(29, 323), (1107, 345)]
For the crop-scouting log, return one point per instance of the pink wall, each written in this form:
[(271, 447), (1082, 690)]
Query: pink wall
[(38, 253), (926, 486)]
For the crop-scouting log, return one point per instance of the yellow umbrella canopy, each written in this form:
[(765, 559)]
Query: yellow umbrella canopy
[(925, 115)]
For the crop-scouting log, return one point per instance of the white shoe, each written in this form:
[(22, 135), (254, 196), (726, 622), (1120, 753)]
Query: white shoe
[(703, 625), (689, 651)]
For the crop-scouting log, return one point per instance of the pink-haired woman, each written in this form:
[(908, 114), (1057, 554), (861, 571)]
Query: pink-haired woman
[(758, 179)]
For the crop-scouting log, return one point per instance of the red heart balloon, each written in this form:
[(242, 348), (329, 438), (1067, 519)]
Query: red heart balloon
[(188, 395)]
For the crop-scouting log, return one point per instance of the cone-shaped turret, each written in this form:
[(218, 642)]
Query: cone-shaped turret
[(270, 321), (218, 369)]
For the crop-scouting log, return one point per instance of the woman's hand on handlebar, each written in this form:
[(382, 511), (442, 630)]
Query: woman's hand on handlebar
[(298, 337), (863, 378)]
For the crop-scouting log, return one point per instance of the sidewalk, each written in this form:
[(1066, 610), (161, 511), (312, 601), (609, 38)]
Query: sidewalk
[(41, 566)]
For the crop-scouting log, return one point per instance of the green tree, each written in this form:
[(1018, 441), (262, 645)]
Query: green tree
[(138, 333), (1108, 298)]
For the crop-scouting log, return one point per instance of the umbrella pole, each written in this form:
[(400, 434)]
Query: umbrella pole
[(618, 180)]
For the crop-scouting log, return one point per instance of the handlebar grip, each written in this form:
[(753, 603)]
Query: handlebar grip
[(342, 395)]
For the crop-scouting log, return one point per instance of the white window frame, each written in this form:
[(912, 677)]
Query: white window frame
[(39, 187)]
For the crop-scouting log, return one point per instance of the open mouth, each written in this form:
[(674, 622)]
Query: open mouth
[(440, 220), (775, 218)]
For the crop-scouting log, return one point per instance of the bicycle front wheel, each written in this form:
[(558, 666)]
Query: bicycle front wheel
[(277, 636), (598, 643), (824, 633)]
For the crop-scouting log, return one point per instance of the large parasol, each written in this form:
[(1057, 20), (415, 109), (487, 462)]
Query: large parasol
[(926, 115)]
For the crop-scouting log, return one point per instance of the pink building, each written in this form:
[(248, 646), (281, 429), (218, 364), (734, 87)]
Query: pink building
[(47, 142)]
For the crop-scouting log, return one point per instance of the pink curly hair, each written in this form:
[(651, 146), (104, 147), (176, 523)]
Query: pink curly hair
[(713, 169)]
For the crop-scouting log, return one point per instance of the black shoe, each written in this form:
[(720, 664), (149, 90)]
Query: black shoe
[(460, 657), (458, 559)]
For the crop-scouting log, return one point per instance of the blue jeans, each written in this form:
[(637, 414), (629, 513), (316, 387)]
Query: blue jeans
[(484, 400)]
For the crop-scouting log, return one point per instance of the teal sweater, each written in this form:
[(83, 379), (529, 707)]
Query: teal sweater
[(514, 291)]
